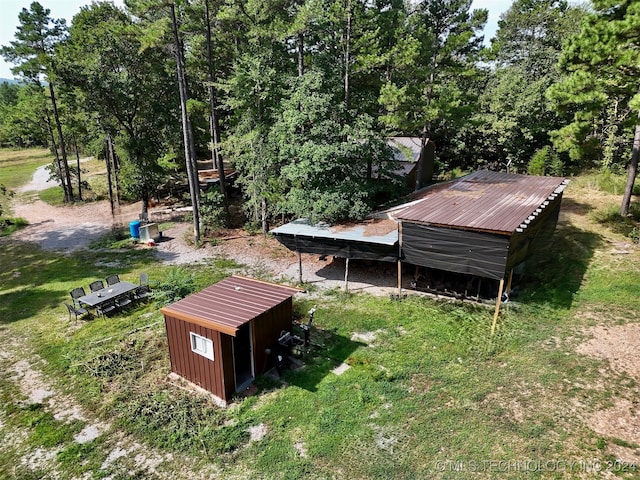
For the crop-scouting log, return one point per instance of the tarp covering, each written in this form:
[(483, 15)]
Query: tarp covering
[(521, 243), (455, 250), (342, 248), (373, 240)]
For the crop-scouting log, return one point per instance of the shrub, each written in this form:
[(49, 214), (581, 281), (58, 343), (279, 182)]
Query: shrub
[(212, 210), (177, 284), (545, 161), (99, 186)]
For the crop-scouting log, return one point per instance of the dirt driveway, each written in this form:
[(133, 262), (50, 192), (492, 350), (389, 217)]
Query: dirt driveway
[(69, 228)]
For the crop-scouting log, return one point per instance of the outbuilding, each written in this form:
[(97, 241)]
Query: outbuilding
[(483, 225), (218, 338)]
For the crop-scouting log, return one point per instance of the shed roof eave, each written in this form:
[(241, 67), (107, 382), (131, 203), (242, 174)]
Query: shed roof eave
[(226, 329)]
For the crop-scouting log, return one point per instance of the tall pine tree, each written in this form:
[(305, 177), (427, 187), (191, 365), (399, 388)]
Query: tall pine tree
[(33, 53), (603, 68)]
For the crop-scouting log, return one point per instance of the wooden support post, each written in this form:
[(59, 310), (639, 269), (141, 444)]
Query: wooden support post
[(399, 259), (346, 275), (299, 261), (509, 282), (498, 302)]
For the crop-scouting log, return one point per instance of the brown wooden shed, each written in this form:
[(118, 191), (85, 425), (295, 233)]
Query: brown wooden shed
[(217, 337)]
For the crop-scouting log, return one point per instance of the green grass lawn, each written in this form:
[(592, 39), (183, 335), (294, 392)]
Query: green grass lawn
[(17, 166), (429, 393)]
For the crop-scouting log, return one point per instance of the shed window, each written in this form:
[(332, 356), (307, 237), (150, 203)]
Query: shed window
[(201, 345)]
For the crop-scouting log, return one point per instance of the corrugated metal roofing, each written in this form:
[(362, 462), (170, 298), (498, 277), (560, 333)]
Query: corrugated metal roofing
[(227, 305), (406, 145), (484, 201), (302, 227)]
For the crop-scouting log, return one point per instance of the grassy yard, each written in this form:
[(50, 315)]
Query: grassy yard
[(17, 167), (429, 393)]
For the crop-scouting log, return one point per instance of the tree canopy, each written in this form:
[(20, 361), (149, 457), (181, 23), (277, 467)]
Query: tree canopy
[(602, 86), (300, 96)]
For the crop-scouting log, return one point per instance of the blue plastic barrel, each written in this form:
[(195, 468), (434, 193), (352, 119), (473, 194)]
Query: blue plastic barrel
[(134, 228)]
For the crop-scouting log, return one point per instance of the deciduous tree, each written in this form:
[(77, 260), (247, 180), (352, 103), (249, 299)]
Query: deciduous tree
[(126, 88)]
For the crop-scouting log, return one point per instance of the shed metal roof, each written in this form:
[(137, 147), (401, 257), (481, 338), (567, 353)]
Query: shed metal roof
[(227, 305), (405, 149), (358, 233), (485, 201)]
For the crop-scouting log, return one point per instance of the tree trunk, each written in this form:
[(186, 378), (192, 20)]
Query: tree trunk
[(107, 146), (55, 151), (347, 58), (75, 146), (632, 172), (187, 132), (214, 127), (422, 159), (425, 164), (114, 172), (67, 186), (300, 54), (263, 215)]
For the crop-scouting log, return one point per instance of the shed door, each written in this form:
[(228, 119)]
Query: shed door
[(243, 357)]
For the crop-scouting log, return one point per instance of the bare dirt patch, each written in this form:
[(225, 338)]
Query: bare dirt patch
[(619, 346), (69, 228)]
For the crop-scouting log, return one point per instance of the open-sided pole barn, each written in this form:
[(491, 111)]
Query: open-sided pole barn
[(482, 224)]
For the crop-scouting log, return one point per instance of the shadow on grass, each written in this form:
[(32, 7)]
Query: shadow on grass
[(33, 280), (328, 350), (569, 205), (555, 270)]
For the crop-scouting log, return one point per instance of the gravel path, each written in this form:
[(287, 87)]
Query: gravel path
[(40, 181)]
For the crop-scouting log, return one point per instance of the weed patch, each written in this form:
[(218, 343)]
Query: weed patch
[(178, 421)]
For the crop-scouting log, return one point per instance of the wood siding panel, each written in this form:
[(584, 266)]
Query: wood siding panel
[(266, 330)]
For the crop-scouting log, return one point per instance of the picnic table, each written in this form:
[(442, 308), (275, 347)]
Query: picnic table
[(112, 292)]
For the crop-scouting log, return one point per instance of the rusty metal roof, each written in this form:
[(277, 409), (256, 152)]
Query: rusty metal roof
[(227, 305), (485, 201)]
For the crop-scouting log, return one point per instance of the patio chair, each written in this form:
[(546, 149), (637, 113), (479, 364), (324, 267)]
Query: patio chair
[(76, 293), (111, 279), (143, 291), (123, 301), (75, 311), (106, 308), (97, 285)]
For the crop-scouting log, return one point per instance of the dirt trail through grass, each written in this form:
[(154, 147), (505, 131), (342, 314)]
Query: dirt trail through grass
[(32, 391)]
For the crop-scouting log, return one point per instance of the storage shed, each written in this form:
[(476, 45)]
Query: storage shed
[(482, 224), (217, 337)]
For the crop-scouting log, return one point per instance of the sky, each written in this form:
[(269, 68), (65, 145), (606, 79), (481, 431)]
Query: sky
[(9, 10)]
